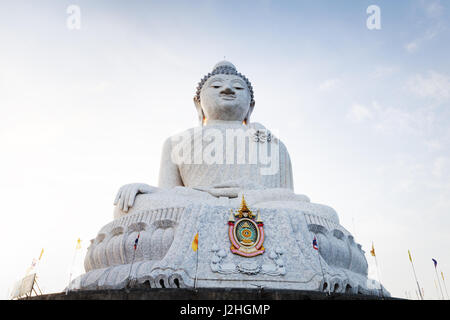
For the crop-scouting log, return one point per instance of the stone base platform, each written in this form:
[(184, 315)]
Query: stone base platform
[(204, 294)]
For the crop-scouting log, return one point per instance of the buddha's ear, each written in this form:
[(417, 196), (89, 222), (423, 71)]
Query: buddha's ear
[(250, 110), (198, 106)]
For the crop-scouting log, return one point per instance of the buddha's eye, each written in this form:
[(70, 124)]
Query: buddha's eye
[(238, 86), (216, 85)]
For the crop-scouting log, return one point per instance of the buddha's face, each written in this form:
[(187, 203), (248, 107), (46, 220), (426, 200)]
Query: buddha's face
[(225, 97)]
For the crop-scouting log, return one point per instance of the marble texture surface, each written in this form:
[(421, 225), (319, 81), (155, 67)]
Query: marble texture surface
[(203, 174), (164, 256)]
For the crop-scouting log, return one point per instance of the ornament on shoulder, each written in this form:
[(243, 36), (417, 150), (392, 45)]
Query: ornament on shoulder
[(262, 136)]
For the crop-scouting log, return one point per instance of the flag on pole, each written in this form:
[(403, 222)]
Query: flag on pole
[(195, 243), (33, 265), (372, 252), (136, 241), (409, 253), (442, 274), (78, 244), (435, 263), (314, 243)]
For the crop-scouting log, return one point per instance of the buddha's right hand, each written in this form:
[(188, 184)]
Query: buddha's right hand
[(127, 193)]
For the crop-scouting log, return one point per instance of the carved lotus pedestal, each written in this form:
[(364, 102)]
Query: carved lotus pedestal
[(164, 257)]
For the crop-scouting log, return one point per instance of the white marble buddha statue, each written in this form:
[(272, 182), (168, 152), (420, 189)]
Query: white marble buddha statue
[(225, 156), (205, 172)]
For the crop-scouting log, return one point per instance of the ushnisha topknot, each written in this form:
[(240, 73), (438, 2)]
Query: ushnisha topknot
[(224, 67)]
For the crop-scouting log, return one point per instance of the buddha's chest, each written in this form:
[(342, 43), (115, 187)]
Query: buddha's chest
[(208, 156), (229, 147)]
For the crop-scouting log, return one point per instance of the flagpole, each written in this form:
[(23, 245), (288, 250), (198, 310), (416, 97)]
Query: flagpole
[(196, 270), (440, 288), (131, 267), (323, 275), (378, 272), (445, 286), (134, 255), (71, 271), (437, 290), (379, 278), (417, 282), (320, 263), (38, 264), (196, 258), (415, 276)]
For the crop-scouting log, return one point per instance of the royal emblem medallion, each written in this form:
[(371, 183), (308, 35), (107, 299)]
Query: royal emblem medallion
[(246, 232)]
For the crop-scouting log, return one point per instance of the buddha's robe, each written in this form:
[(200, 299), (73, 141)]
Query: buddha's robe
[(226, 154), (195, 169)]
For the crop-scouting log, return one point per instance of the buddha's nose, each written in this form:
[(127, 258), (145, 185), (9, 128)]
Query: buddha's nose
[(227, 90)]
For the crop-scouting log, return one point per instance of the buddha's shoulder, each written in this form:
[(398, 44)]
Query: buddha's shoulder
[(257, 126), (261, 127), (178, 137), (198, 131), (185, 132)]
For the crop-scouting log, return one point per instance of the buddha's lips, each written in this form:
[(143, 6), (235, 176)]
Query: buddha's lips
[(228, 96)]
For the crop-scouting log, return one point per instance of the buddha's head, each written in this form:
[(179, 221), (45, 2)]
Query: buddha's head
[(224, 94)]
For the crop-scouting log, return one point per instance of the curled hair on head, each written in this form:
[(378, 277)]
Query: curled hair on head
[(227, 68)]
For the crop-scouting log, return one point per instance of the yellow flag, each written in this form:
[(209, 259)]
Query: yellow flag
[(409, 253), (195, 243), (373, 250), (42, 252), (78, 244), (442, 274)]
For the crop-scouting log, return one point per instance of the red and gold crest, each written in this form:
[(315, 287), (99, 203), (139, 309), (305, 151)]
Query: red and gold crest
[(246, 232)]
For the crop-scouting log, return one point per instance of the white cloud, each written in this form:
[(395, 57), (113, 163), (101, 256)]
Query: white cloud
[(429, 34), (434, 145), (384, 71), (441, 167), (433, 9), (434, 85), (359, 113), (412, 46), (394, 120), (329, 84)]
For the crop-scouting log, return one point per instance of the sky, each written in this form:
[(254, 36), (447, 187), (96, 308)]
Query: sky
[(364, 114)]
